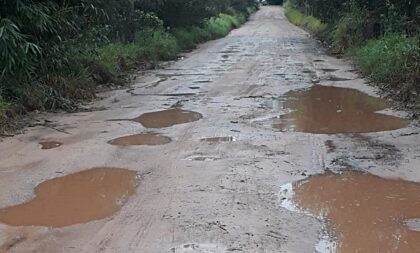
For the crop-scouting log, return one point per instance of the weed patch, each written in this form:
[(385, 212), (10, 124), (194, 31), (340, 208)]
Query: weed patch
[(297, 18), (393, 59)]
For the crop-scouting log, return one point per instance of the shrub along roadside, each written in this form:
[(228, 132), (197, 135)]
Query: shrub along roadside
[(54, 53), (3, 116), (153, 45), (298, 18), (391, 60)]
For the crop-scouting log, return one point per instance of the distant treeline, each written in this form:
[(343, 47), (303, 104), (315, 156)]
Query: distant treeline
[(383, 37), (54, 52)]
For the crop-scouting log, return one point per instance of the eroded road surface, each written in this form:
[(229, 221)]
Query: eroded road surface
[(239, 146)]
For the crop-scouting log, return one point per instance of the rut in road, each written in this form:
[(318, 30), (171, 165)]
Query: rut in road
[(215, 185)]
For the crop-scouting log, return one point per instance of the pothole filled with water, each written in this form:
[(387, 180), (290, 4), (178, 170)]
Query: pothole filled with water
[(364, 213), (50, 144), (167, 118), (141, 139), (330, 110), (76, 198)]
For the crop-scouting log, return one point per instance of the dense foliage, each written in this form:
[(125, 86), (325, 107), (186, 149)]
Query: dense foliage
[(53, 51), (383, 36)]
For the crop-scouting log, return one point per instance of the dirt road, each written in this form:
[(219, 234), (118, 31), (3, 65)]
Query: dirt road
[(210, 195)]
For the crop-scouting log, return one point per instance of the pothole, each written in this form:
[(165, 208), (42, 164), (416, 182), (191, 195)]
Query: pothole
[(363, 212), (199, 247), (214, 140), (330, 110), (167, 118), (141, 139), (329, 70), (338, 79), (307, 71), (331, 147), (76, 198), (50, 144)]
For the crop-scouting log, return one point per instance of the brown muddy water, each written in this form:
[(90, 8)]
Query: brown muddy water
[(141, 139), (331, 110), (50, 144), (364, 213), (76, 198), (167, 118), (213, 140)]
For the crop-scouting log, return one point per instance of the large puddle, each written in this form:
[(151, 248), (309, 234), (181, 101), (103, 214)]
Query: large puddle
[(76, 198), (141, 139), (330, 110), (364, 213), (167, 118)]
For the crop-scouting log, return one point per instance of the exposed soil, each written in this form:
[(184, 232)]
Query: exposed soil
[(217, 195)]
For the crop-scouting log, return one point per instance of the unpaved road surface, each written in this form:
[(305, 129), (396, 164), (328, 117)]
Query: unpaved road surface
[(214, 195)]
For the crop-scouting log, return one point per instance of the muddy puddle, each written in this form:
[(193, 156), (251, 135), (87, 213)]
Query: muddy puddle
[(364, 213), (141, 139), (50, 144), (76, 198), (167, 118), (331, 110), (214, 140)]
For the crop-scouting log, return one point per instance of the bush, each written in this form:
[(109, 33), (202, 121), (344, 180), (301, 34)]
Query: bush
[(111, 55), (3, 117), (348, 33), (299, 19), (221, 25), (157, 45), (393, 59), (149, 45)]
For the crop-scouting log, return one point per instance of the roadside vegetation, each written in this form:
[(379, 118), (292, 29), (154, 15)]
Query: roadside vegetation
[(54, 53), (383, 37)]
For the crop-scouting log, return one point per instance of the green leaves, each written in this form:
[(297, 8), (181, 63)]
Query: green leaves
[(17, 53)]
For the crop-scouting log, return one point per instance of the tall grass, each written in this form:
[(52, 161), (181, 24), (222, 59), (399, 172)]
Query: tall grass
[(153, 45), (299, 19), (3, 117), (393, 59), (150, 45), (221, 25)]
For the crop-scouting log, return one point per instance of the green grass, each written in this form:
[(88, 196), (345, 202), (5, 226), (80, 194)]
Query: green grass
[(188, 38), (220, 26), (156, 45), (63, 90), (3, 117), (149, 45), (392, 59), (299, 19)]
